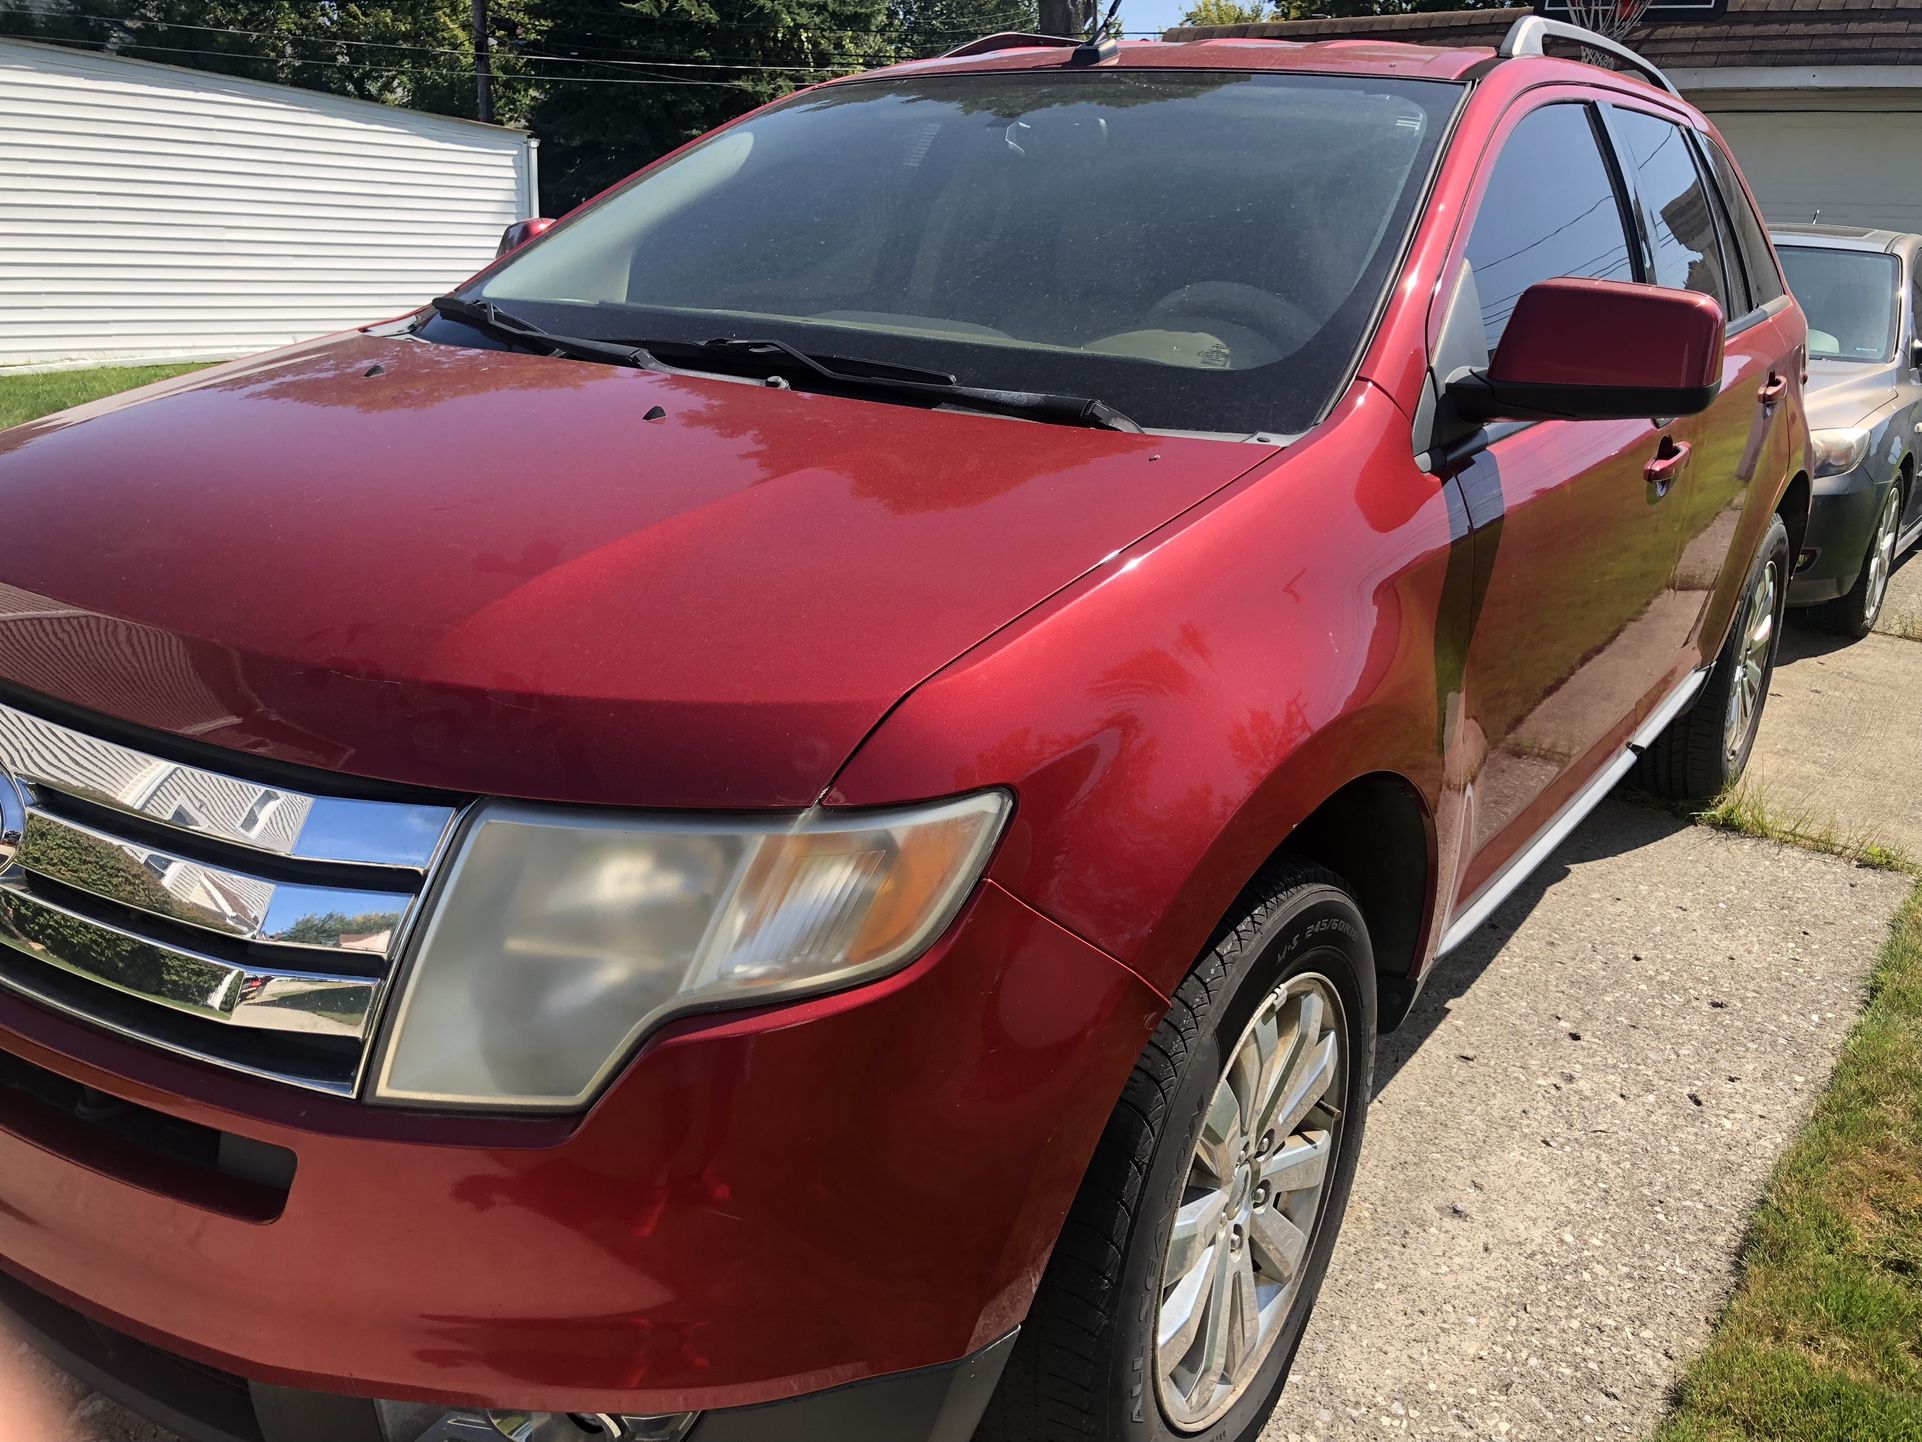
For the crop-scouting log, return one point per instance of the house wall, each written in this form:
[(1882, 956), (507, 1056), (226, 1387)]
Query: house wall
[(1842, 140), (153, 213), (1841, 167)]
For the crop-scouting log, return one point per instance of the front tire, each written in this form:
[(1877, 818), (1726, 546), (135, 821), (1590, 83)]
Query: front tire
[(1188, 1266), (1855, 614), (1705, 749)]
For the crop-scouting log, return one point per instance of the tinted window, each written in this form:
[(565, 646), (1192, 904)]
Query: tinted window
[(1550, 210), (1764, 282), (1850, 298), (1202, 250), (1739, 301), (1680, 218)]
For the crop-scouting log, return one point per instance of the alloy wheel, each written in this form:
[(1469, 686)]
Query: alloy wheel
[(1751, 661), (1251, 1202), (1881, 561)]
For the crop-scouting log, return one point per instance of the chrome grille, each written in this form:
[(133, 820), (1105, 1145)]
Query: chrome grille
[(240, 923)]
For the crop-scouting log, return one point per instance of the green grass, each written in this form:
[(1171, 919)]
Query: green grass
[(1748, 810), (26, 397), (1823, 1340)]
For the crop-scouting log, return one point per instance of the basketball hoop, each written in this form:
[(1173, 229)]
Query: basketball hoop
[(1610, 18)]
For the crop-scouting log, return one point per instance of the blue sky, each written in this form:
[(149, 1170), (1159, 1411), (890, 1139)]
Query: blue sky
[(1154, 15)]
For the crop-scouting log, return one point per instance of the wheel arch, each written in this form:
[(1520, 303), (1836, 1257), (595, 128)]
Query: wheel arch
[(1793, 508), (1378, 834)]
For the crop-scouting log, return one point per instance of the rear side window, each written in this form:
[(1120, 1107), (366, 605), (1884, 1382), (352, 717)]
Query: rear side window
[(1551, 209), (1681, 221), (1915, 305), (1764, 281), (1739, 301)]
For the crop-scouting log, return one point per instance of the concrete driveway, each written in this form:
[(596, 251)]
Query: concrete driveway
[(1573, 1126), (1841, 743), (1902, 611), (1571, 1130)]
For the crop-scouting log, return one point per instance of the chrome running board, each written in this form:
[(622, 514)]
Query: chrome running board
[(1505, 882)]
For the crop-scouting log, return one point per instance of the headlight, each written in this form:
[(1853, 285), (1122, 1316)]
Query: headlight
[(1837, 451), (561, 937)]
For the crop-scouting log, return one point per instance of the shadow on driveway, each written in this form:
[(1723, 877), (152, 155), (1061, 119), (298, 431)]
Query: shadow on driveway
[(1615, 829)]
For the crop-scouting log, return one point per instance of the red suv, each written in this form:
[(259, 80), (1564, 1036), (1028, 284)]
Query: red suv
[(794, 815)]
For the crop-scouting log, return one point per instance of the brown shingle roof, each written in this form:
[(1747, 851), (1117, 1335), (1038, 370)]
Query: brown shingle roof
[(1754, 32)]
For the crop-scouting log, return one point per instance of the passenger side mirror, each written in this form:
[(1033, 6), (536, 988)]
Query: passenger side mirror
[(522, 231), (1596, 350)]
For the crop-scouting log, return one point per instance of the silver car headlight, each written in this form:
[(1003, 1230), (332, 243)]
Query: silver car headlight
[(561, 937), (1836, 451)]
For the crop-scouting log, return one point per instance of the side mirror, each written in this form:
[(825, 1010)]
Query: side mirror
[(1915, 354), (1598, 350), (522, 231)]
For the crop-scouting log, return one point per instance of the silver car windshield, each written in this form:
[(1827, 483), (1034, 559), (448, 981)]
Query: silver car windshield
[(1202, 250), (1850, 298)]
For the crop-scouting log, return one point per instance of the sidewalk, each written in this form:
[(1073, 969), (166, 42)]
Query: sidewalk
[(1578, 1119), (1841, 741), (1575, 1125)]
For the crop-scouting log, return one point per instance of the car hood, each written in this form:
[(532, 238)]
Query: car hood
[(1846, 393), (494, 572)]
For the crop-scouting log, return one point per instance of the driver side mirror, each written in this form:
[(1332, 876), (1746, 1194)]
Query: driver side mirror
[(1599, 350), (522, 231)]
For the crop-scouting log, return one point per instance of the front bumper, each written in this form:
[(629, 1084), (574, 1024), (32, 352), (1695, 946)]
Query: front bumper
[(1843, 510), (204, 1404), (765, 1204)]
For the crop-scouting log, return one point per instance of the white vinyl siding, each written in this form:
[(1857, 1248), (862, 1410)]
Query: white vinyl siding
[(1856, 167), (149, 212), (1844, 140)]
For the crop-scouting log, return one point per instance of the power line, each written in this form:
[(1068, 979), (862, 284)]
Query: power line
[(842, 63), (844, 58), (325, 40), (453, 74)]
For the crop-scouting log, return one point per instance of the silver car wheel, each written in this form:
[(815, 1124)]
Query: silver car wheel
[(1251, 1202), (1751, 661), (1881, 561)]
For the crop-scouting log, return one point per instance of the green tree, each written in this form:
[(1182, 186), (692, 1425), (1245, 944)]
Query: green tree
[(920, 28), (1253, 12), (1068, 17), (593, 134), (1230, 12), (416, 53), (327, 929)]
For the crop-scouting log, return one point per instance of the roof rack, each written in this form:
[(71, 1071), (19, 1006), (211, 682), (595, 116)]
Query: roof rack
[(1007, 40), (1526, 35), (1085, 52)]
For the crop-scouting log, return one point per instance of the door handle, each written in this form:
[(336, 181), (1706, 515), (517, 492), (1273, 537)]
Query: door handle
[(1772, 391), (1666, 465)]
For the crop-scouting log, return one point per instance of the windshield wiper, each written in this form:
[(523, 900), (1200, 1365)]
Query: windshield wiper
[(838, 366), (859, 373), (485, 316)]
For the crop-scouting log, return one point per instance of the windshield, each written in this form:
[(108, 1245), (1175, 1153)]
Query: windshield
[(1849, 297), (1203, 251)]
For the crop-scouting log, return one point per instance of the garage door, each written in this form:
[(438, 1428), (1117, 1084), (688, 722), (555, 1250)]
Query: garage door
[(1859, 167)]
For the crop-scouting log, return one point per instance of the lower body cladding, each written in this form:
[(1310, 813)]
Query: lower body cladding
[(203, 1404), (1843, 512), (825, 1219)]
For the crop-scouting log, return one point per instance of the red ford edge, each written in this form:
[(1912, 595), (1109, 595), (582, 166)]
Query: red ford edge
[(794, 814)]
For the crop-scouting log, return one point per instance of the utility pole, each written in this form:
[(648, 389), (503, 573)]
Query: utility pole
[(483, 68), (1066, 17)]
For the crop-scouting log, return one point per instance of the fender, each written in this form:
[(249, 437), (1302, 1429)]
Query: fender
[(1188, 703)]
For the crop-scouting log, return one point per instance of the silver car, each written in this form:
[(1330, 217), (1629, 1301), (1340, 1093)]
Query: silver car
[(1862, 293)]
